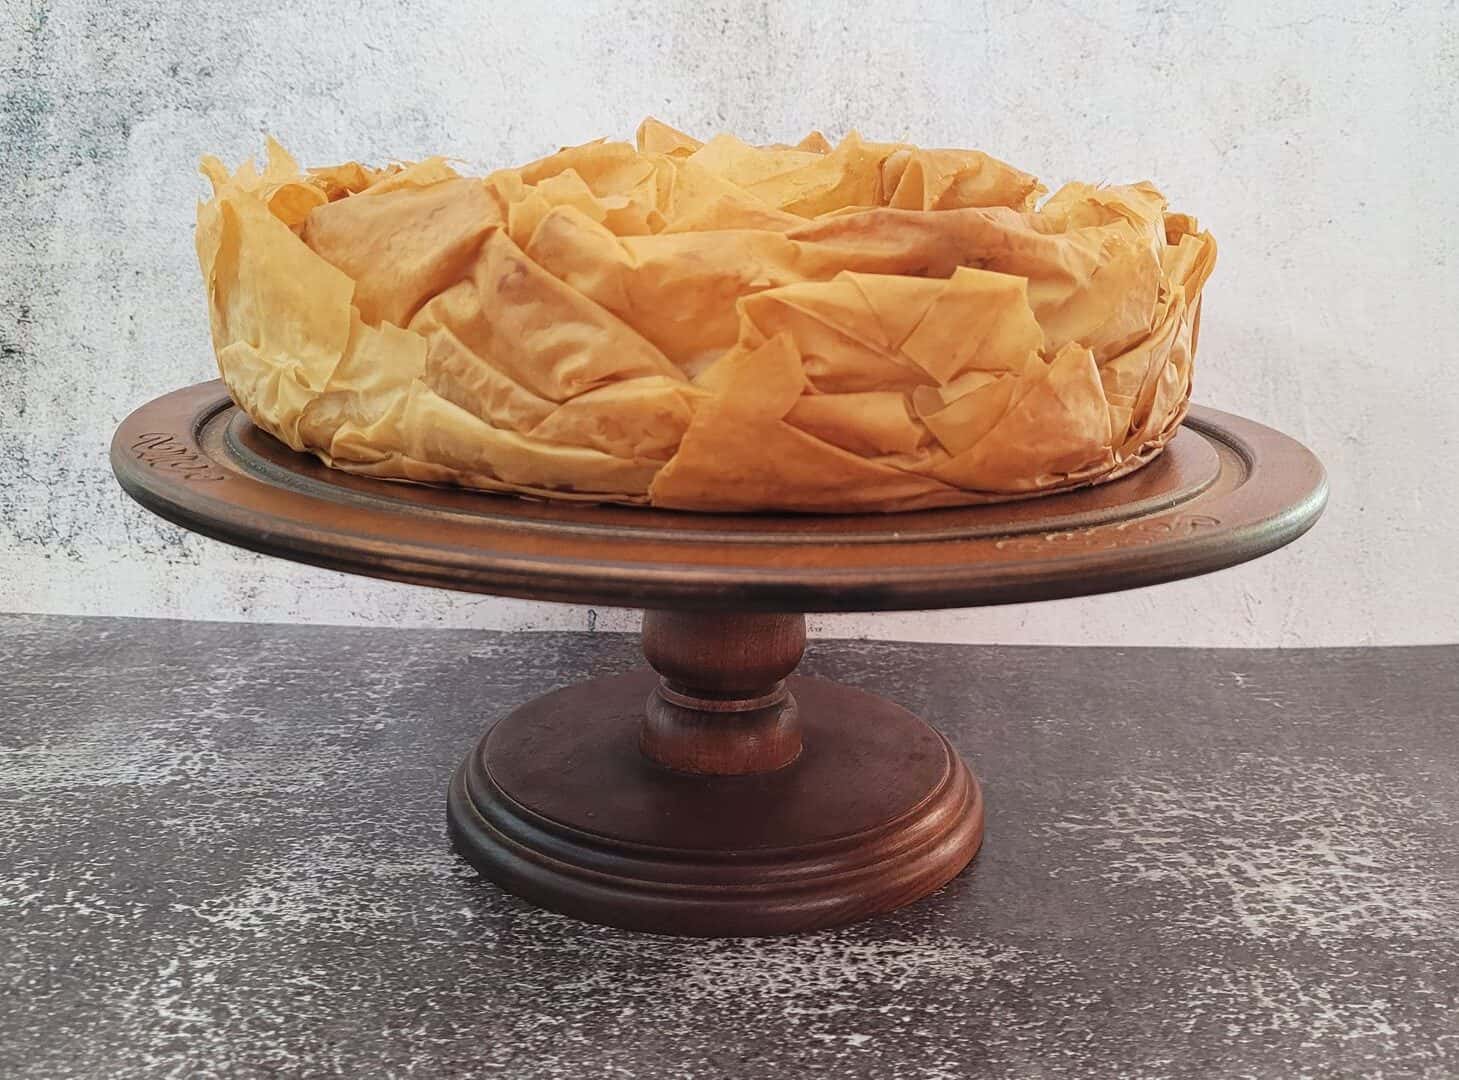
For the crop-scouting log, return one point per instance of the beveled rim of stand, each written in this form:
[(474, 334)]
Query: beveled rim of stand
[(1226, 490)]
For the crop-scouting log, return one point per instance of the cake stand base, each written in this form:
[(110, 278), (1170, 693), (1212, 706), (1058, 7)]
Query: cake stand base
[(696, 807)]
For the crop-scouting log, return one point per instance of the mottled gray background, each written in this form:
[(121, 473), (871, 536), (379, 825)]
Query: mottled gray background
[(1317, 140)]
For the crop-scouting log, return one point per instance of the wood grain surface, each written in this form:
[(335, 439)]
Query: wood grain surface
[(1226, 490)]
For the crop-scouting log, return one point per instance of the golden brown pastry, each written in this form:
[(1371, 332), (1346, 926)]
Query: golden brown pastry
[(707, 326)]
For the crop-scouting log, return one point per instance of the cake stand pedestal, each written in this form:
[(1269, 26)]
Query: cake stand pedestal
[(718, 793)]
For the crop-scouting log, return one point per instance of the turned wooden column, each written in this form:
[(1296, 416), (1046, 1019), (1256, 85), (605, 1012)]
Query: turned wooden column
[(721, 706)]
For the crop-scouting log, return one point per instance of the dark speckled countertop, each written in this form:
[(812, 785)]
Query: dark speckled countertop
[(222, 854)]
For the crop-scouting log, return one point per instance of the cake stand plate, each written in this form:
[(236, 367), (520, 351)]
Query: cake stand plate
[(718, 793)]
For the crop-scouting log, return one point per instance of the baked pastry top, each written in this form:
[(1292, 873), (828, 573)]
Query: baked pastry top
[(707, 326)]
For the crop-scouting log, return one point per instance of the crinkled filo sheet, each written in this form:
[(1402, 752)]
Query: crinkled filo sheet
[(708, 326)]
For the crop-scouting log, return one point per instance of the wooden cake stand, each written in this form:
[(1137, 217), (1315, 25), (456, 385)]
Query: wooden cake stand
[(717, 794)]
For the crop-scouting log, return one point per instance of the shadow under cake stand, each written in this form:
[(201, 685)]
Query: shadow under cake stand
[(718, 793)]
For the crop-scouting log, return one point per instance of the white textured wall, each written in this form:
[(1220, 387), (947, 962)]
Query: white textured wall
[(1319, 141)]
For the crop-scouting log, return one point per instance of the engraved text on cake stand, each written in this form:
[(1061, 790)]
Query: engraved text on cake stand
[(1117, 534), (161, 451)]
